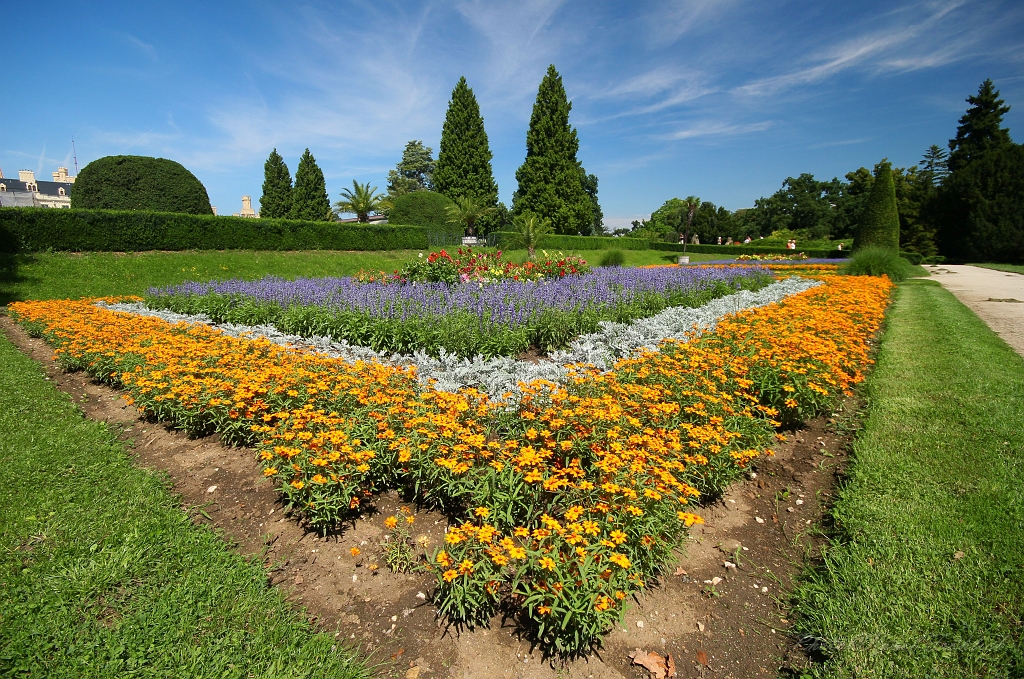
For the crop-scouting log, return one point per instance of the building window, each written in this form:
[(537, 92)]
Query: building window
[(60, 191), (3, 187)]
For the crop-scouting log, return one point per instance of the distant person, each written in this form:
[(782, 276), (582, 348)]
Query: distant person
[(695, 240), (719, 240), (728, 240), (840, 245), (746, 240)]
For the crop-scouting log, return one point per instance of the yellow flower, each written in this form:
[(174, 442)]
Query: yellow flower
[(547, 562), (450, 575), (390, 522), (355, 551), (269, 471), (619, 560), (482, 512)]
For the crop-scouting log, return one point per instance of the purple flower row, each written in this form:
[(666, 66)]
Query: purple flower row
[(509, 302)]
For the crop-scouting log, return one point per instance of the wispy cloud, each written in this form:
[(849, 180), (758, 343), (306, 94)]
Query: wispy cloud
[(144, 47), (716, 129), (922, 36)]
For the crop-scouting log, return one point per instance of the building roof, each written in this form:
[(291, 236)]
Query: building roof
[(45, 188)]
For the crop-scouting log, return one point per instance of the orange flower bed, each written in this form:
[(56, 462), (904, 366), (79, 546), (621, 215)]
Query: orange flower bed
[(573, 496)]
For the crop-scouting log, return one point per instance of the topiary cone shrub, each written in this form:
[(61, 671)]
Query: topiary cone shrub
[(880, 225)]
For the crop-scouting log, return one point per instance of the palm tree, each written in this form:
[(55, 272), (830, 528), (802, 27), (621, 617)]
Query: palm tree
[(529, 230), (362, 199), (465, 211)]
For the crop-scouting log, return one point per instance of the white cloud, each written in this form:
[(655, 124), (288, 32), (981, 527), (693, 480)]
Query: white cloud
[(716, 129)]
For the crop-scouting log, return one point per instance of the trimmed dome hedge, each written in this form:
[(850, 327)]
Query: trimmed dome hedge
[(139, 183), (421, 208)]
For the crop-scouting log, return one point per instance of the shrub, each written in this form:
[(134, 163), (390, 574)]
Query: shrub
[(751, 249), (912, 257), (557, 242), (39, 229), (613, 258), (139, 183), (421, 208), (876, 260), (881, 222)]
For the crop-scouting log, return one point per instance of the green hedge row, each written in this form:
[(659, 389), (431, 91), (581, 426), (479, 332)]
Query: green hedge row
[(582, 242), (40, 229), (748, 250)]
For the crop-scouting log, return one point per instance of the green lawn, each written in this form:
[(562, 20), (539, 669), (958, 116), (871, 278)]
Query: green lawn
[(103, 575), (1014, 268), (926, 577), (68, 275)]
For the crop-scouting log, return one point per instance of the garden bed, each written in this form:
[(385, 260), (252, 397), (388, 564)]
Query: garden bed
[(729, 625), (503, 317), (563, 507)]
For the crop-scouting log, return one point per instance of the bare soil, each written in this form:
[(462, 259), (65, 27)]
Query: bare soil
[(767, 525)]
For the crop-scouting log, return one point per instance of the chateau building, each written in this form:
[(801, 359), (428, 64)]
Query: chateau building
[(26, 191)]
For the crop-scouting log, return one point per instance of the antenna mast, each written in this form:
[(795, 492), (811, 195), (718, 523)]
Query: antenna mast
[(74, 154)]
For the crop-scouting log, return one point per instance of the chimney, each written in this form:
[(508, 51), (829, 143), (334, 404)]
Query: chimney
[(27, 176)]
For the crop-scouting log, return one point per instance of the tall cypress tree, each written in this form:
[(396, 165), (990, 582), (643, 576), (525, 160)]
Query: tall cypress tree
[(276, 201), (550, 180), (463, 168), (880, 224), (979, 128), (309, 197)]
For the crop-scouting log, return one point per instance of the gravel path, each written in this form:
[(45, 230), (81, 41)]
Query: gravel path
[(996, 296)]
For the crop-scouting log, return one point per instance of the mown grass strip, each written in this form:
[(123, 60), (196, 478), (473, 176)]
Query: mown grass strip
[(927, 578), (1012, 268), (63, 275), (103, 575)]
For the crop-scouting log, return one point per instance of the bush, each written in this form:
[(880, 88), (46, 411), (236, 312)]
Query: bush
[(422, 208), (40, 229), (876, 260), (613, 258), (751, 249), (556, 242), (914, 258), (139, 183), (881, 222)]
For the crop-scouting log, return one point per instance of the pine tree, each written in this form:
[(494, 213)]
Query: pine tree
[(309, 197), (550, 181), (880, 224), (414, 172), (463, 168), (934, 166), (979, 128), (276, 201)]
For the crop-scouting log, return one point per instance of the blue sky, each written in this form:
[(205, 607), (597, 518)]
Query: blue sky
[(719, 98)]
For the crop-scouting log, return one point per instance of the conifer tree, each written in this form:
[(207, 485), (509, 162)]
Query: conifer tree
[(934, 166), (550, 179), (880, 224), (276, 201), (979, 129), (463, 168), (309, 197), (414, 172)]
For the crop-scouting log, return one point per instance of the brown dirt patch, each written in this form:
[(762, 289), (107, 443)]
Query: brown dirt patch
[(734, 628)]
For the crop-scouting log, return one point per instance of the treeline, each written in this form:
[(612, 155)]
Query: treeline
[(964, 204), (552, 183)]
